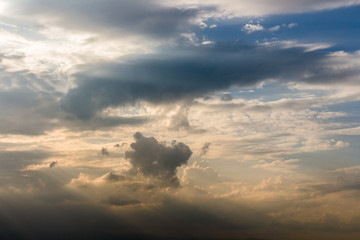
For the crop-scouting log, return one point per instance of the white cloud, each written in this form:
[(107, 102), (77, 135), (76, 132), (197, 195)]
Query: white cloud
[(274, 28), (250, 28), (292, 25), (207, 43), (290, 44)]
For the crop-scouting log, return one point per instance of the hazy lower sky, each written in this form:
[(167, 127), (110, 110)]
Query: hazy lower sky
[(188, 119)]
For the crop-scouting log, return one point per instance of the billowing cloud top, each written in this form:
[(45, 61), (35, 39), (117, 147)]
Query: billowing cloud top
[(157, 160)]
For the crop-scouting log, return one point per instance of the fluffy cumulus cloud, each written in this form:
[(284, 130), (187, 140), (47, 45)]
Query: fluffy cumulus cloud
[(250, 28), (151, 158)]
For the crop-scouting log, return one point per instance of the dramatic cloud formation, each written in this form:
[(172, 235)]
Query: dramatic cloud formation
[(151, 158), (266, 93), (186, 73)]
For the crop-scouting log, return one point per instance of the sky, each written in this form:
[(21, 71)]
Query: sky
[(188, 119)]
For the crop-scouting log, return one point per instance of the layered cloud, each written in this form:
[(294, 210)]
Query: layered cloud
[(186, 73), (266, 122), (149, 18), (263, 7)]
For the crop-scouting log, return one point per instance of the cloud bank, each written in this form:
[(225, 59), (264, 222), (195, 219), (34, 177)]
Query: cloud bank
[(186, 73)]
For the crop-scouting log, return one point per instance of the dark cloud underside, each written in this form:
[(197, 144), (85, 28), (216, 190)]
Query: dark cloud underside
[(186, 73)]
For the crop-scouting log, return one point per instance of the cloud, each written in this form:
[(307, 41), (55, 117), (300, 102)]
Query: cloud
[(286, 166), (292, 25), (28, 111), (250, 28), (53, 164), (103, 122), (169, 219), (274, 28), (121, 201), (32, 111), (355, 170), (180, 119), (113, 177), (154, 18), (205, 149), (13, 165), (115, 17), (241, 8), (17, 160), (153, 159), (226, 97), (203, 177), (104, 152), (186, 73)]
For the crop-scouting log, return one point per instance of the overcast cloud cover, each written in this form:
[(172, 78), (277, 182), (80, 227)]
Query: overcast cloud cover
[(194, 119)]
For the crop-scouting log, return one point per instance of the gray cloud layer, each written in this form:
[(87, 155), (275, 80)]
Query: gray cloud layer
[(113, 17), (154, 159), (186, 72)]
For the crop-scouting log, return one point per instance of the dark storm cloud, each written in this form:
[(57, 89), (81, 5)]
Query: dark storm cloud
[(112, 17), (154, 159), (186, 72)]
